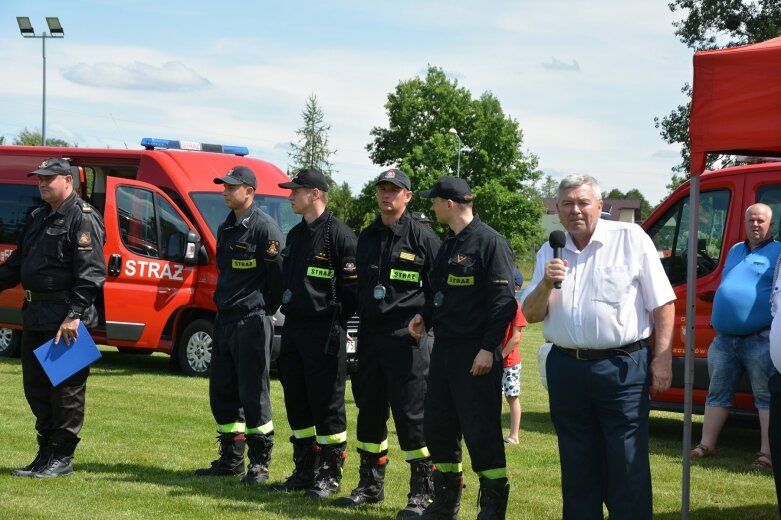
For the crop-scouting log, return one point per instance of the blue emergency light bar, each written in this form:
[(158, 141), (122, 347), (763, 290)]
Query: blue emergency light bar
[(152, 143)]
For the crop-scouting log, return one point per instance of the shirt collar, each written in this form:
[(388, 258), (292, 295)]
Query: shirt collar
[(599, 235), (760, 245), (397, 227), (69, 201)]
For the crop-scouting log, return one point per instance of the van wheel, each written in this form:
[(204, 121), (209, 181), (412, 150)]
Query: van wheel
[(10, 340), (195, 348)]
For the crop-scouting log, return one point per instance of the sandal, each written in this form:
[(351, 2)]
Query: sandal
[(701, 451), (762, 461)]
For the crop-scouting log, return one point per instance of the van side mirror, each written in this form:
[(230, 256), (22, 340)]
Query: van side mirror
[(192, 248)]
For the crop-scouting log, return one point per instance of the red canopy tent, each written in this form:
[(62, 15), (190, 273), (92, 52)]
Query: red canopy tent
[(736, 109)]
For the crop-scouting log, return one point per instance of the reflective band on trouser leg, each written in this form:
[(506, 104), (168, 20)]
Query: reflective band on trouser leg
[(493, 474), (421, 453), (236, 427), (334, 438), (372, 447), (449, 467), (304, 433), (263, 429)]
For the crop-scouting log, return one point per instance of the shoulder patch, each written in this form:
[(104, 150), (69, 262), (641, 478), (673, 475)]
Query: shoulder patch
[(85, 208), (404, 255), (84, 238), (36, 211), (272, 248)]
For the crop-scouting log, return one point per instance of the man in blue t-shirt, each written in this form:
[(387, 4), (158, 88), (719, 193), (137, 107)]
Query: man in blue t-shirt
[(741, 317)]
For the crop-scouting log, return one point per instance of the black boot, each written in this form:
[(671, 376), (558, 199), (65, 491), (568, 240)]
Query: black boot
[(328, 472), (305, 453), (371, 484), (259, 454), (231, 459), (447, 496), (421, 489), (492, 498), (41, 459), (60, 463)]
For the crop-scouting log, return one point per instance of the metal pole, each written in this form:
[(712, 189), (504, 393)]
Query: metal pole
[(43, 118), (691, 304), (458, 162)]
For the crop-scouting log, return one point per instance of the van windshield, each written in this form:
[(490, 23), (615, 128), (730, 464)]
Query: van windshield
[(212, 208)]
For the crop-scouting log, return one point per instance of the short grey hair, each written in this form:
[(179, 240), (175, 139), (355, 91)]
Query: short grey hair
[(575, 180)]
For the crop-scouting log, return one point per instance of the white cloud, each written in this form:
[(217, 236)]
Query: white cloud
[(170, 76)]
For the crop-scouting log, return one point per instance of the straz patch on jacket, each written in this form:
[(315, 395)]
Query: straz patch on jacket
[(404, 276), (272, 248), (84, 239), (460, 281), (319, 272), (244, 264), (409, 257)]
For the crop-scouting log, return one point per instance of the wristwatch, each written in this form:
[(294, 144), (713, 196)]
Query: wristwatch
[(73, 314)]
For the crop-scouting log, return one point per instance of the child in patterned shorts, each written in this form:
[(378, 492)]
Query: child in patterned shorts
[(511, 375)]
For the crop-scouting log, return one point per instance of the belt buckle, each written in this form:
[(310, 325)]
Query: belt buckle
[(577, 355), (28, 295)]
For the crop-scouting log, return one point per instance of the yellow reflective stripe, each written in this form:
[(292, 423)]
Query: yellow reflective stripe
[(243, 264), (449, 467), (421, 453), (334, 438), (319, 272), (373, 447), (236, 427), (304, 433), (405, 276), (460, 280), (264, 429), (493, 474)]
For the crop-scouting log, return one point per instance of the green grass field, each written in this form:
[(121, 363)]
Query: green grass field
[(147, 430)]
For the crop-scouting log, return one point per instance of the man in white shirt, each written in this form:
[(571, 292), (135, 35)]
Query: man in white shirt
[(614, 294)]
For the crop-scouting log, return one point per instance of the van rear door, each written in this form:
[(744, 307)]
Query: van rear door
[(147, 280)]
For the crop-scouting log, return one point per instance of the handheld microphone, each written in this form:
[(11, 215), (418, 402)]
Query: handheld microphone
[(557, 241)]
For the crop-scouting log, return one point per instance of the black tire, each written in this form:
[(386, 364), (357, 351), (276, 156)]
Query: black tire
[(10, 340), (195, 348)]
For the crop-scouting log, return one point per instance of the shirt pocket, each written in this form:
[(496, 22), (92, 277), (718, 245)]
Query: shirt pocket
[(244, 256), (55, 242), (405, 268), (611, 284)]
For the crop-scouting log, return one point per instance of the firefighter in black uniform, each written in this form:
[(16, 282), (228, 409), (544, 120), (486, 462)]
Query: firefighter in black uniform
[(395, 254), (59, 260), (320, 282), (472, 304), (247, 296)]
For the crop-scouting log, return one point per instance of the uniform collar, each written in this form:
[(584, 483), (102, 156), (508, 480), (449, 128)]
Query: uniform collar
[(69, 201), (318, 222), (397, 227), (464, 234), (245, 219)]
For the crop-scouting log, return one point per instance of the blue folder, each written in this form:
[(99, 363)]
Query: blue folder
[(60, 361)]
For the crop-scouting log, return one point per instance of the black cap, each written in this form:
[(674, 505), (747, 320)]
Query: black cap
[(307, 178), (238, 175), (518, 277), (451, 188), (53, 166), (395, 176), (421, 217)]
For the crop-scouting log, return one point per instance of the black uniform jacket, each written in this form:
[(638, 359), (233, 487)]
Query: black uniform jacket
[(399, 257), (308, 268), (472, 285), (59, 252), (250, 264)]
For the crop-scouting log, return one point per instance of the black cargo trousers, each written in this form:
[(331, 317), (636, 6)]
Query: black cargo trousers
[(391, 374), (58, 410), (239, 381)]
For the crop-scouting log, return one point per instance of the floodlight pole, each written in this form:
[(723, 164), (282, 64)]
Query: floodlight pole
[(56, 31), (460, 145)]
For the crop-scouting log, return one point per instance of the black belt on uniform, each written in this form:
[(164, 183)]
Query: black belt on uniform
[(593, 354), (48, 296)]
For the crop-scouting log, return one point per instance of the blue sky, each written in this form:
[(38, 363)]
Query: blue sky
[(584, 78)]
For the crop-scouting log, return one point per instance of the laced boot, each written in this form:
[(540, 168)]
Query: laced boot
[(371, 484), (447, 496), (492, 498), (328, 473), (60, 463), (421, 489), (259, 454), (41, 458), (231, 459), (305, 453)]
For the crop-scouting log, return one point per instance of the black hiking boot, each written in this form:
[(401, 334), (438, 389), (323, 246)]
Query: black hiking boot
[(305, 453), (231, 459), (371, 484), (421, 489), (259, 454)]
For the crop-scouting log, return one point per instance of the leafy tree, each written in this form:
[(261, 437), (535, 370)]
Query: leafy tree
[(634, 193), (2, 139), (420, 113), (312, 151), (33, 138), (548, 187), (711, 24)]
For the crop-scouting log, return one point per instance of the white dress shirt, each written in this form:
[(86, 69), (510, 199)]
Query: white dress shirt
[(610, 291)]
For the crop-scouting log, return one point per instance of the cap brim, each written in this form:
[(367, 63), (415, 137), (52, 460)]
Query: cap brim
[(228, 180), (48, 173), (427, 194), (290, 185), (395, 182)]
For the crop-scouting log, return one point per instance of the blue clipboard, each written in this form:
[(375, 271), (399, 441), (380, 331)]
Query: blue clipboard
[(60, 361)]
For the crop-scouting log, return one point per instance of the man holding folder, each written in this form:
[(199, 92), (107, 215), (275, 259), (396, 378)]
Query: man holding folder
[(59, 261)]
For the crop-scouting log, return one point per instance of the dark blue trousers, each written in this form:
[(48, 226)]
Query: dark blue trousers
[(774, 430), (600, 412)]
